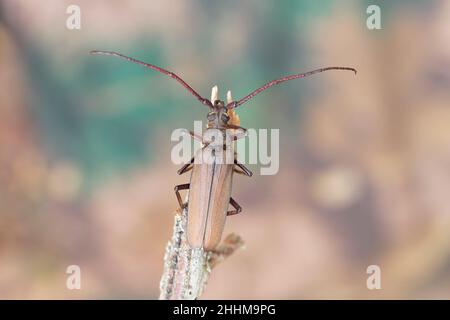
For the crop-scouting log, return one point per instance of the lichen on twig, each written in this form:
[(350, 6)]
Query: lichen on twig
[(186, 269)]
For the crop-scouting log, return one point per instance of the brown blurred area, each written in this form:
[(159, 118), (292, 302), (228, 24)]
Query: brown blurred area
[(85, 170)]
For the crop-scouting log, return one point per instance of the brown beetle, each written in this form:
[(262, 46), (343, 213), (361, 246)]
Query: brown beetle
[(211, 179)]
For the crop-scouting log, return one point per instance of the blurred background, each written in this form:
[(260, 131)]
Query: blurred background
[(85, 170)]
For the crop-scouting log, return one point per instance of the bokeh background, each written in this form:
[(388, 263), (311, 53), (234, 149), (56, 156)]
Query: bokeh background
[(85, 170)]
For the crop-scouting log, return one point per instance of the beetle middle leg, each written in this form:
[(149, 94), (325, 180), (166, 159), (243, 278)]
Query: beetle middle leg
[(236, 206), (244, 170), (177, 189)]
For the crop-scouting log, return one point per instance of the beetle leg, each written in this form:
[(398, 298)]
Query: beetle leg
[(186, 167), (233, 126), (243, 168), (236, 206), (192, 134), (177, 193), (195, 136), (238, 171), (238, 135)]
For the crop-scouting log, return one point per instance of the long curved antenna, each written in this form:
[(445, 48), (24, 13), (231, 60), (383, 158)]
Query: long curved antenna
[(204, 101), (236, 104)]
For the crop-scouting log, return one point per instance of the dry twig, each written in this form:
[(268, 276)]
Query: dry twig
[(186, 270)]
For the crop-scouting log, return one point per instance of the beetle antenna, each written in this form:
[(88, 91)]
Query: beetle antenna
[(204, 101), (236, 104)]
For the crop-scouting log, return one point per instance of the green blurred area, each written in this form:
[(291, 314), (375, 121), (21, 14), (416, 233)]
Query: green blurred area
[(66, 91), (86, 176)]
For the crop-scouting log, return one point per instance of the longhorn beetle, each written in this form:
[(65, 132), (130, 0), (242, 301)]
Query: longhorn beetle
[(211, 181)]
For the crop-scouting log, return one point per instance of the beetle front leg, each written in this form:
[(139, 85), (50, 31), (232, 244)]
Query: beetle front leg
[(186, 167), (193, 135), (244, 170), (236, 206), (237, 135), (177, 193)]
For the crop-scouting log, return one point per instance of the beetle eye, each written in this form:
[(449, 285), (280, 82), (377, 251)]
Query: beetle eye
[(225, 117)]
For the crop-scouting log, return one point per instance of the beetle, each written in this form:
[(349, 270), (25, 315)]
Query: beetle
[(211, 179)]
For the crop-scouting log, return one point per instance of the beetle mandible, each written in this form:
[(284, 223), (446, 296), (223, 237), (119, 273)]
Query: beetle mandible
[(211, 178)]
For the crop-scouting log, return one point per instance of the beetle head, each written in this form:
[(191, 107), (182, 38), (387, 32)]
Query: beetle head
[(218, 116)]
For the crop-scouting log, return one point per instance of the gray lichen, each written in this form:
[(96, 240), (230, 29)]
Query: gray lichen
[(186, 269)]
